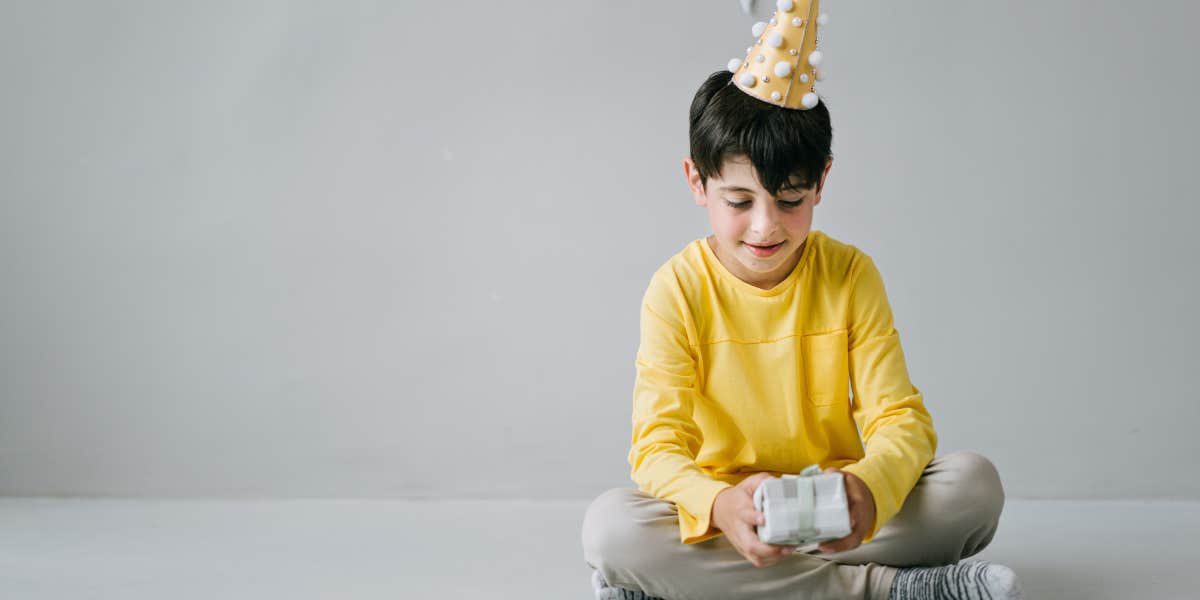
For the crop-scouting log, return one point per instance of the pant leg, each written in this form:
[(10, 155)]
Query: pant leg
[(632, 538), (951, 513)]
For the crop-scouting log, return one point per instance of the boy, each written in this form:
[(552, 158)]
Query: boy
[(751, 341)]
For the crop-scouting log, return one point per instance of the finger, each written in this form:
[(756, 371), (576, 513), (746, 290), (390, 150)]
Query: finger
[(753, 517), (775, 552), (746, 538), (841, 545), (765, 552), (843, 540), (834, 545), (747, 551), (751, 483)]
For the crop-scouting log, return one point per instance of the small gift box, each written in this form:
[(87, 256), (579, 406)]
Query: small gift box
[(803, 509)]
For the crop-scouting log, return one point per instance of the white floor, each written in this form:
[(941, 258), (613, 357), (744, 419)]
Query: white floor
[(54, 549)]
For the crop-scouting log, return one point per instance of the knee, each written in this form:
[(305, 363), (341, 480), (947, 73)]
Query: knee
[(608, 530), (982, 490)]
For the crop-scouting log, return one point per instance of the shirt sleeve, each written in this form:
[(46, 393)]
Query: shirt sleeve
[(897, 431), (665, 437)]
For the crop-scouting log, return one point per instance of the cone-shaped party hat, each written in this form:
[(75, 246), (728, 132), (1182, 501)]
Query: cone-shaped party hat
[(782, 66)]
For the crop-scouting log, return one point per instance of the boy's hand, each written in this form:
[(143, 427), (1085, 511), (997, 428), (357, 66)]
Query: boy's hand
[(861, 504), (735, 515)]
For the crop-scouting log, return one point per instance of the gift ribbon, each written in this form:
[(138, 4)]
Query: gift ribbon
[(804, 493)]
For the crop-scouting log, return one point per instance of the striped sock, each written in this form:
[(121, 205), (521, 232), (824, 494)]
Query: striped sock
[(973, 580), (604, 591)]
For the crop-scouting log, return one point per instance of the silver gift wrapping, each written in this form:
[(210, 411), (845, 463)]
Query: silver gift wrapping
[(803, 509)]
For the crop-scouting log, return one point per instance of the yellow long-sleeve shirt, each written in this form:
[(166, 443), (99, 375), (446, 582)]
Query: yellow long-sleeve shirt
[(733, 379)]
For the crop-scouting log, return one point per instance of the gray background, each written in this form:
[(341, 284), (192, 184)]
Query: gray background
[(396, 249)]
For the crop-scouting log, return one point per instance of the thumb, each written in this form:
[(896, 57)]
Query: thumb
[(752, 481)]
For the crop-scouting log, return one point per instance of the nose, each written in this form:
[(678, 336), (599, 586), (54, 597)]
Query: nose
[(764, 221)]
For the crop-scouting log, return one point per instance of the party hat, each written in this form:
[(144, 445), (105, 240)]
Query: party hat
[(782, 66)]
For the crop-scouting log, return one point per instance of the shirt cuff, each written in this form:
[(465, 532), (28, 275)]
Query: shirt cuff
[(695, 511), (874, 482)]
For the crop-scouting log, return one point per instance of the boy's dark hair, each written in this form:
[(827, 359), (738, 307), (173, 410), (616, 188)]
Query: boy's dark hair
[(781, 143)]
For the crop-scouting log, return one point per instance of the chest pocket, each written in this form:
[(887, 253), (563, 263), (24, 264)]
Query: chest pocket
[(826, 373)]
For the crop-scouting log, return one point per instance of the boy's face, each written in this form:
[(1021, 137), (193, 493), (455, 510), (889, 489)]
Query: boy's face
[(744, 218)]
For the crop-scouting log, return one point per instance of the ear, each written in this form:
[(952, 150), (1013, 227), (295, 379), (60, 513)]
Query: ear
[(821, 185), (693, 181)]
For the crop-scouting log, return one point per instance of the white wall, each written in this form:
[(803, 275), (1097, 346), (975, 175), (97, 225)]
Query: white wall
[(396, 249)]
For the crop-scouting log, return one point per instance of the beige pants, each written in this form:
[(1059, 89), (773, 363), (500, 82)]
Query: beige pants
[(632, 538)]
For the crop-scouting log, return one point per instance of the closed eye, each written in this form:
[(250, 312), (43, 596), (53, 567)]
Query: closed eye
[(783, 203)]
